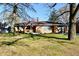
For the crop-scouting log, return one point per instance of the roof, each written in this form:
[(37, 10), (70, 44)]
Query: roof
[(40, 23)]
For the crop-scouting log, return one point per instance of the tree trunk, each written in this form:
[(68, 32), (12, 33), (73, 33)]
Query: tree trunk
[(72, 30), (13, 16), (72, 22)]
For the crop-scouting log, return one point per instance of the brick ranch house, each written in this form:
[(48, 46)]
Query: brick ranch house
[(39, 27)]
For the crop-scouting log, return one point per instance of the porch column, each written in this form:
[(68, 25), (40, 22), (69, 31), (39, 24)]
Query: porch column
[(34, 28), (52, 27), (65, 29), (55, 27)]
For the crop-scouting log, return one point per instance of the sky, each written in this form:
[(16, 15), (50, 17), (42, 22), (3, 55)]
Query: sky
[(42, 12)]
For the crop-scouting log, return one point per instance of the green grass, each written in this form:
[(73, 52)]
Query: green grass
[(37, 45)]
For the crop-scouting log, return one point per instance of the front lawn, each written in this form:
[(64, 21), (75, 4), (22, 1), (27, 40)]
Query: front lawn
[(38, 45)]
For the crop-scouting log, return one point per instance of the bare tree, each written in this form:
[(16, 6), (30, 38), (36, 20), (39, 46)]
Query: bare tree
[(53, 16), (73, 9), (17, 10), (64, 17)]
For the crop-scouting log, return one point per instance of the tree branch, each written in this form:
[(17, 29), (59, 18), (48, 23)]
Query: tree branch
[(77, 8), (51, 6), (62, 13)]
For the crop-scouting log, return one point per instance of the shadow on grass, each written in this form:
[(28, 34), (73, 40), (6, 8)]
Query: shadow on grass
[(13, 42), (52, 37), (31, 36)]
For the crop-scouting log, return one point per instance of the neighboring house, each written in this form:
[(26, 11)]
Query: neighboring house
[(4, 28)]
